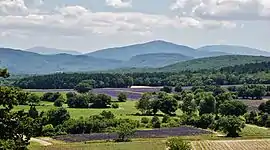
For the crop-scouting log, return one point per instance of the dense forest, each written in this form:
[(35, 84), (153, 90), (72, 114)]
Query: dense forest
[(254, 73)]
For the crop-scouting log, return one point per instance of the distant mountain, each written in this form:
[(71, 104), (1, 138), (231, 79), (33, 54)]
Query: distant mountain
[(214, 62), (22, 62), (155, 60), (127, 52), (236, 50), (51, 51)]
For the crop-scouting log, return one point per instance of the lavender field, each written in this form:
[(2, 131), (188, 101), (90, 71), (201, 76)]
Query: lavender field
[(132, 93), (156, 133)]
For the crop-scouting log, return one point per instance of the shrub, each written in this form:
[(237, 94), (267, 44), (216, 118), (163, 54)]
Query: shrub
[(57, 116), (83, 87), (166, 89), (122, 97), (50, 97), (178, 144), (48, 130), (155, 122), (107, 114), (59, 102), (178, 88), (205, 121), (33, 99), (231, 125), (145, 120), (165, 119), (115, 105), (125, 131)]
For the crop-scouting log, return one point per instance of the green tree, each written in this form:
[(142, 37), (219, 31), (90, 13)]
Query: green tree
[(168, 105), (122, 97), (166, 89), (57, 116), (208, 104), (178, 88), (205, 121), (155, 122), (144, 104), (236, 108), (231, 125), (33, 99), (189, 105), (265, 107), (125, 131), (16, 127), (178, 144), (80, 100), (102, 101), (83, 87)]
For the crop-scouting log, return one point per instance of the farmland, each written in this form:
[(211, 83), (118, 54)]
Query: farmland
[(263, 144)]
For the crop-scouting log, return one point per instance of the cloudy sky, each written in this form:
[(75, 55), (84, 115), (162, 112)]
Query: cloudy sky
[(87, 25)]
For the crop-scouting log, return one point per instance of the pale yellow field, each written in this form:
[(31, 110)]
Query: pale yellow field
[(263, 144)]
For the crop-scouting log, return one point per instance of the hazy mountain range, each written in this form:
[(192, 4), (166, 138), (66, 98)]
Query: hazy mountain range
[(156, 54)]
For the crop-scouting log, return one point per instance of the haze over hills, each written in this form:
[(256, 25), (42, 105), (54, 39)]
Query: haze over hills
[(22, 62), (234, 49), (155, 60), (162, 55), (51, 51), (127, 52)]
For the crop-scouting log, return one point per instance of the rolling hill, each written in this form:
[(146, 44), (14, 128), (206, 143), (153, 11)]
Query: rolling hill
[(214, 62), (22, 62), (234, 49), (51, 51), (127, 52), (155, 60)]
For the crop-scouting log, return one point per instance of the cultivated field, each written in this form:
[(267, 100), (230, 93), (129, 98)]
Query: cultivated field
[(262, 144)]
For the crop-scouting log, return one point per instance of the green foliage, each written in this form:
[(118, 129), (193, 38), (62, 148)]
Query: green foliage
[(33, 113), (57, 116), (122, 97), (107, 114), (80, 101), (143, 104), (236, 108), (155, 122), (188, 106), (4, 73), (207, 104), (84, 87), (48, 130), (33, 99), (168, 105), (165, 119), (125, 131), (231, 125), (178, 88), (115, 105), (145, 120), (16, 128), (50, 97), (59, 102), (178, 144), (102, 101), (205, 121), (265, 107), (166, 89)]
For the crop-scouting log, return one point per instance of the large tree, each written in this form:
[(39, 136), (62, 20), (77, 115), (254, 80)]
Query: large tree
[(16, 128)]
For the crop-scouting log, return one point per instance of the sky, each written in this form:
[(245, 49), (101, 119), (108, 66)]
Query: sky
[(89, 25)]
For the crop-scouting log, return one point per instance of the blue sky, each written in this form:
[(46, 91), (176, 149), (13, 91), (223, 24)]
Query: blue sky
[(88, 25)]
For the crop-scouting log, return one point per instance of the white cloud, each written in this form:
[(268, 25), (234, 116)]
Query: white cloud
[(119, 3), (13, 7), (224, 9)]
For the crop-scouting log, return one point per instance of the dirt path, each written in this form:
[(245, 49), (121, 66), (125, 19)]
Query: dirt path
[(41, 142)]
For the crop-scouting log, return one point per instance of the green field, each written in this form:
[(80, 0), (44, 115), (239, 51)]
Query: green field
[(125, 110)]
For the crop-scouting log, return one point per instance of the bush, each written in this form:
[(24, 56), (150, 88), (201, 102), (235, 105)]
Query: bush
[(101, 101), (178, 88), (107, 114), (125, 131), (166, 89), (33, 99), (48, 130), (155, 122), (115, 105), (57, 116), (122, 97), (178, 144), (79, 101), (50, 97), (83, 87), (231, 125), (59, 102), (165, 119), (205, 121), (145, 120)]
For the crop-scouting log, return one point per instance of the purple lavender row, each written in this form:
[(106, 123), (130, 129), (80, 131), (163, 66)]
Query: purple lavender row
[(115, 93), (157, 133)]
